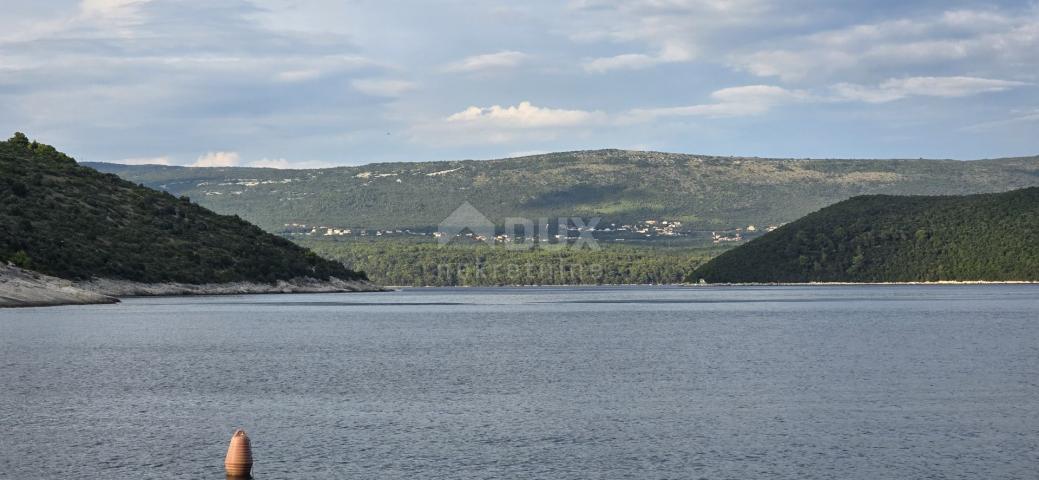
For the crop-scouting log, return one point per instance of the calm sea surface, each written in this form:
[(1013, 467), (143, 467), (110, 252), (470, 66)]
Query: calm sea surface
[(539, 383)]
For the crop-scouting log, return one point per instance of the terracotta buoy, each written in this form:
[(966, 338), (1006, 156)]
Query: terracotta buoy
[(239, 460)]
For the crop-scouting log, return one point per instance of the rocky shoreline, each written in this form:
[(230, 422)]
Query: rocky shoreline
[(123, 288), (26, 288)]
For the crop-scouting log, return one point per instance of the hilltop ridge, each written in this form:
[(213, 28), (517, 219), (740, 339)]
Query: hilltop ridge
[(710, 192)]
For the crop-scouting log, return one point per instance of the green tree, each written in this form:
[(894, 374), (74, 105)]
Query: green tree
[(21, 259), (19, 139)]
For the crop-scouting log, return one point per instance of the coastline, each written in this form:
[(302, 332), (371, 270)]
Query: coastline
[(125, 288), (25, 288), (708, 285), (864, 284)]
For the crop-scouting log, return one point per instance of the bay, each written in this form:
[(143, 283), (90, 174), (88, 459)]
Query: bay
[(859, 382)]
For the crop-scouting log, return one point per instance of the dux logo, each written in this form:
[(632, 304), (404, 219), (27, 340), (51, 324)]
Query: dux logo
[(466, 217), (467, 221)]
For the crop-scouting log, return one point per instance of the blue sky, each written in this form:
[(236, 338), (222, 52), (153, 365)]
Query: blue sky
[(287, 83)]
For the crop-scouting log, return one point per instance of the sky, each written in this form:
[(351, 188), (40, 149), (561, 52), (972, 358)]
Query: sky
[(299, 84)]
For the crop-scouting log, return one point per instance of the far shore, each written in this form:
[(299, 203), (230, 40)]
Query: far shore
[(825, 284), (24, 288), (864, 284), (707, 285)]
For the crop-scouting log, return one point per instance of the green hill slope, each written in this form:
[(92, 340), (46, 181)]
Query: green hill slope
[(992, 237), (66, 220), (704, 192)]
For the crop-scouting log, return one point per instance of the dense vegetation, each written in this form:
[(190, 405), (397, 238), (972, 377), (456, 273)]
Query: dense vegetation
[(896, 239), (70, 221), (412, 263), (703, 192)]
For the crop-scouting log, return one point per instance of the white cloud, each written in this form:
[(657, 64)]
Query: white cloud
[(752, 100), (112, 10), (899, 88), (383, 87), (526, 153), (297, 75), (978, 40), (1016, 117), (217, 159), (525, 115), (668, 31), (628, 61), (282, 163), (491, 61), (523, 123), (279, 163), (728, 102), (288, 69), (164, 160), (636, 61), (110, 18)]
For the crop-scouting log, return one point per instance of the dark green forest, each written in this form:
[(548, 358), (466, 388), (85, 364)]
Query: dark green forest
[(880, 238), (70, 221), (403, 263)]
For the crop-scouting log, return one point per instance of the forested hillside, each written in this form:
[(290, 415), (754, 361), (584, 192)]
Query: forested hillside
[(70, 221), (429, 264), (882, 238), (703, 192)]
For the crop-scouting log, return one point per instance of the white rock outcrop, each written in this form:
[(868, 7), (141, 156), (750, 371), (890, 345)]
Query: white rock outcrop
[(25, 288), (124, 288)]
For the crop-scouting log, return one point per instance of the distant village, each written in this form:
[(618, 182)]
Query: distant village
[(613, 232), (737, 235)]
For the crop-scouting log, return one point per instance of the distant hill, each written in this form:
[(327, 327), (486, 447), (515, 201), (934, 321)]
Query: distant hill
[(882, 238), (70, 221), (704, 192)]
